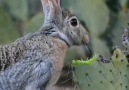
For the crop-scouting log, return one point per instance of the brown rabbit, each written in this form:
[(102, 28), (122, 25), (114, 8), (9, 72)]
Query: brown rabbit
[(34, 62)]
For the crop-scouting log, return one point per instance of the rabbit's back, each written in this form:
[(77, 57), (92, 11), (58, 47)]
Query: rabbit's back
[(14, 52)]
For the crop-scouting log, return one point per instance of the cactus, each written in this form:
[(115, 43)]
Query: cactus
[(105, 74), (101, 75)]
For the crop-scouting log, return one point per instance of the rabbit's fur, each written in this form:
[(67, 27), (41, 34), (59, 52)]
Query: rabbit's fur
[(36, 60)]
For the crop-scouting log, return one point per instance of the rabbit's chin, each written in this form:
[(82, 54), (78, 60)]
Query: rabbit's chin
[(85, 39)]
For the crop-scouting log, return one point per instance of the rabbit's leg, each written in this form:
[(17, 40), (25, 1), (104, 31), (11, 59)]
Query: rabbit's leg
[(40, 75)]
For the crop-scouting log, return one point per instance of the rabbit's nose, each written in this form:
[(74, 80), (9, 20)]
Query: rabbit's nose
[(85, 39)]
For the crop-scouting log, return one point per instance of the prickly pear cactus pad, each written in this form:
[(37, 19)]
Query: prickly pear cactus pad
[(91, 61), (99, 73)]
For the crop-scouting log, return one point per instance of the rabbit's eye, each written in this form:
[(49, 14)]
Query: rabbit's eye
[(74, 22)]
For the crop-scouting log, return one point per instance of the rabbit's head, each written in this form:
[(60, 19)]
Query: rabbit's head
[(64, 24)]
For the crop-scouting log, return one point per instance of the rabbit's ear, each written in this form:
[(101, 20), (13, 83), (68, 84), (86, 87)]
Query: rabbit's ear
[(44, 3), (51, 8)]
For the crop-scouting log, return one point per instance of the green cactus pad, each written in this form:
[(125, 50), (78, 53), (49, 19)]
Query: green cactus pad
[(97, 75)]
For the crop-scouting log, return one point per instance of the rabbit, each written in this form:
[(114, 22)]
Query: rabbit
[(35, 61)]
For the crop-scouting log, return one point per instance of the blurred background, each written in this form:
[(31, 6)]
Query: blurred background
[(105, 21)]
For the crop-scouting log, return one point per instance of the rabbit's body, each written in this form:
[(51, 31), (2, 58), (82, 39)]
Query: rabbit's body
[(36, 60), (22, 61)]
